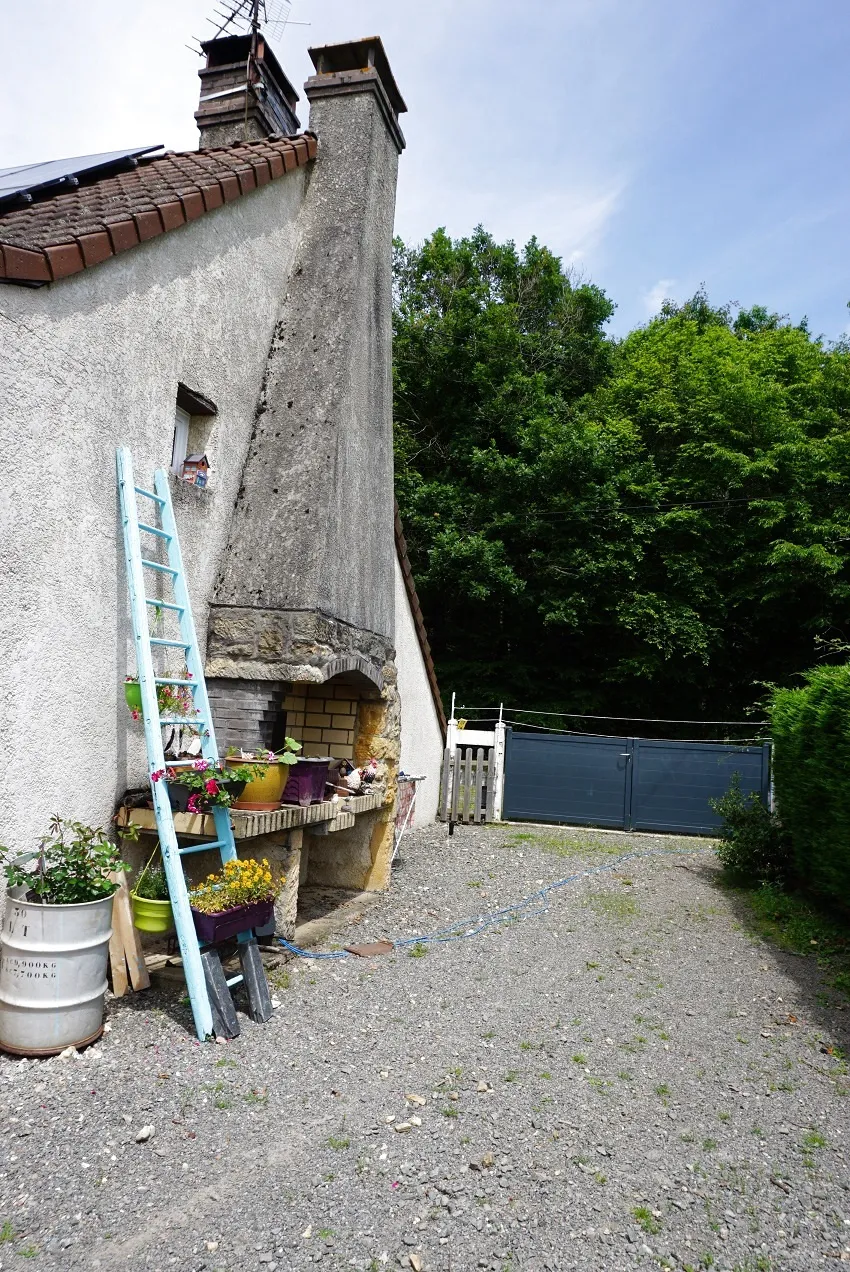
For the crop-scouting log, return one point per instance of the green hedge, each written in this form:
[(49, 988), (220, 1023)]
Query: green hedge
[(811, 734)]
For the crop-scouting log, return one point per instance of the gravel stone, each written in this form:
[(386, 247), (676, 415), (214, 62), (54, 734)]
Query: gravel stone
[(630, 1087)]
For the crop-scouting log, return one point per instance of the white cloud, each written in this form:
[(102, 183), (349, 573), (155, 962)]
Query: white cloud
[(572, 222), (657, 294)]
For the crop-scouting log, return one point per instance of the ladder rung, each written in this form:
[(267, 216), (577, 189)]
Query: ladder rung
[(148, 494), (204, 847), (161, 534), (235, 980), (173, 644), (155, 565), (151, 600), (193, 720), (164, 680)]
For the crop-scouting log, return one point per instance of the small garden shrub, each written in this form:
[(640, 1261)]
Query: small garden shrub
[(811, 733), (753, 846)]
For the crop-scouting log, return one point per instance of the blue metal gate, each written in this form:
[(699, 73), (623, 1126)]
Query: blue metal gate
[(625, 783)]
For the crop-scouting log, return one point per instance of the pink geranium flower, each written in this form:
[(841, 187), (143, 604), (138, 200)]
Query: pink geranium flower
[(211, 786)]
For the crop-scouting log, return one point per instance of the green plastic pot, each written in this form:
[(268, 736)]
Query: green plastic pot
[(151, 916), (133, 694)]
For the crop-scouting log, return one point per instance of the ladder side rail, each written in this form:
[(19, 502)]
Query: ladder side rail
[(209, 750), (192, 966), (138, 610)]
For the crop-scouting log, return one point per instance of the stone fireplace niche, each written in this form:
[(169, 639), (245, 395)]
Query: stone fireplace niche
[(346, 847)]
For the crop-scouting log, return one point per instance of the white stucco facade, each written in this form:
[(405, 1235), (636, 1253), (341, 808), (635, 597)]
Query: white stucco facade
[(85, 365), (421, 732)]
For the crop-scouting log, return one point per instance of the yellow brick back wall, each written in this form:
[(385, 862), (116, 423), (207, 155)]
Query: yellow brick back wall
[(323, 718)]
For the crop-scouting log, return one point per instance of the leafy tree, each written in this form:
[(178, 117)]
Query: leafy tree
[(652, 526)]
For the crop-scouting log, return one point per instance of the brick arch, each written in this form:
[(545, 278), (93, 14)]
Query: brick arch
[(348, 663)]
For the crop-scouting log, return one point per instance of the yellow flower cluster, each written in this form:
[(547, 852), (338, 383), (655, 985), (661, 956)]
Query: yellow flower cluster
[(237, 883)]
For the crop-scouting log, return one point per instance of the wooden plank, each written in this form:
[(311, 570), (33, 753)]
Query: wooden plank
[(117, 961), (469, 797), (122, 919), (490, 803), (457, 782), (480, 778), (445, 784)]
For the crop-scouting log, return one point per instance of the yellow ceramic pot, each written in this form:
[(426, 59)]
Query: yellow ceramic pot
[(263, 793)]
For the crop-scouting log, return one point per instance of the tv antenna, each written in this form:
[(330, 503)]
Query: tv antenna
[(241, 17)]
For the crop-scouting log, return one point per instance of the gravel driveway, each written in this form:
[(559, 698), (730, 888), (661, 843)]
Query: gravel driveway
[(631, 1079)]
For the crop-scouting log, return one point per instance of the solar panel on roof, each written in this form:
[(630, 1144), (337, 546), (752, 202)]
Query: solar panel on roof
[(28, 179)]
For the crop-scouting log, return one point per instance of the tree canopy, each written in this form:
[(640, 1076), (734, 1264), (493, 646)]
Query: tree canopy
[(652, 526)]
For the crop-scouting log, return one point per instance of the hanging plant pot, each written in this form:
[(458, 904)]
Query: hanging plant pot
[(133, 695), (151, 916), (218, 927)]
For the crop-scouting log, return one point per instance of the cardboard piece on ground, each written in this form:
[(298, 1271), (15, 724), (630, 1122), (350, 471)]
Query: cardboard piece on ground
[(366, 951), (128, 937)]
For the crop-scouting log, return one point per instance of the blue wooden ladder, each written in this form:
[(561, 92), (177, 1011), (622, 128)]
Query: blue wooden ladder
[(209, 989)]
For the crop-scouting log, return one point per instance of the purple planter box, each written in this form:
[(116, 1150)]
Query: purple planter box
[(305, 782), (218, 927)]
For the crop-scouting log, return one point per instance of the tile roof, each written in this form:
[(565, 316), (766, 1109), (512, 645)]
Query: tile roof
[(55, 237), (418, 620)]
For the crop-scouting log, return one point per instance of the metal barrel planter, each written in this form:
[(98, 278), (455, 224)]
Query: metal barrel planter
[(52, 974)]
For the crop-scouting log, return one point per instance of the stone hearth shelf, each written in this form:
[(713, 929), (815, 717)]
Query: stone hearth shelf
[(324, 818)]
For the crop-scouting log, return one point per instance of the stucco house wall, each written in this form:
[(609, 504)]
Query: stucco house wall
[(422, 739), (86, 364)]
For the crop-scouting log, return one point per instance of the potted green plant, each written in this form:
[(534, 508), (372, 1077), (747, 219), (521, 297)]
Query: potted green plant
[(240, 896), (55, 938), (199, 786), (151, 901), (269, 769)]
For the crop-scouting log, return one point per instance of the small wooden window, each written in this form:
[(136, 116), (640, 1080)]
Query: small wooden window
[(180, 449), (192, 420)]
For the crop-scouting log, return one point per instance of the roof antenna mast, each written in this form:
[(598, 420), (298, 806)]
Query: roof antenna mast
[(233, 16)]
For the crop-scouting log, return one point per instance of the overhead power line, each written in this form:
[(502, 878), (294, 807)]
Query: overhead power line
[(578, 715)]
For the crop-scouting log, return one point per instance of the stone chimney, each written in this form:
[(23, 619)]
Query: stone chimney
[(232, 75), (359, 66), (312, 537)]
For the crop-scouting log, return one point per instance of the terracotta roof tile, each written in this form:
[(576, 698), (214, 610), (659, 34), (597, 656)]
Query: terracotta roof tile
[(55, 237)]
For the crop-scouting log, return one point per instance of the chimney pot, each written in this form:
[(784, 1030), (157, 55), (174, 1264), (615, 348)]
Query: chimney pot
[(355, 67)]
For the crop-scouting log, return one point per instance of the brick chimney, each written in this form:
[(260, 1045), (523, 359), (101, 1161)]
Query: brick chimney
[(232, 72)]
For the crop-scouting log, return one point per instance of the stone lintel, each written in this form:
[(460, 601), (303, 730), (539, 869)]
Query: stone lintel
[(291, 645)]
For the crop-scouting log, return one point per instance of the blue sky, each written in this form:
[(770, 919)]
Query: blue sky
[(654, 144)]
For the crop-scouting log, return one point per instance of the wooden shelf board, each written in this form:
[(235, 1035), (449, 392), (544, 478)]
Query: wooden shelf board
[(247, 825)]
